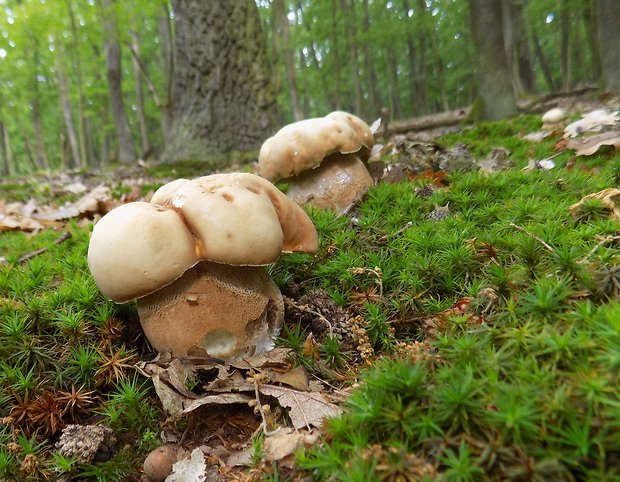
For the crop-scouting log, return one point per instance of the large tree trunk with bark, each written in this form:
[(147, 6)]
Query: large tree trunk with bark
[(496, 98), (126, 148), (608, 19), (590, 23), (224, 99), (518, 50)]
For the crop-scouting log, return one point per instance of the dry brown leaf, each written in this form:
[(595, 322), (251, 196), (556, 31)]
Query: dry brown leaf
[(296, 378), (306, 409), (609, 197), (286, 442), (10, 223), (589, 145)]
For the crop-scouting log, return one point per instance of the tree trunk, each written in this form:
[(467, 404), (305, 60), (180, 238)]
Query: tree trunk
[(37, 126), (224, 99), (137, 74), (544, 65), (167, 50), (439, 71), (67, 113), (608, 16), (6, 166), (77, 65), (335, 35), (348, 9), (422, 69), (412, 58), (564, 45), (126, 149), (29, 156), (590, 23), (282, 27), (496, 98), (523, 49), (374, 101), (396, 109)]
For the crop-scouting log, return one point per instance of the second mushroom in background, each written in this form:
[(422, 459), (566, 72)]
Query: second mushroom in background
[(322, 160), (193, 258)]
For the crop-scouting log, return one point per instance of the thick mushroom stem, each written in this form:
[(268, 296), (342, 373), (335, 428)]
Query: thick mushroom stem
[(225, 310), (338, 184)]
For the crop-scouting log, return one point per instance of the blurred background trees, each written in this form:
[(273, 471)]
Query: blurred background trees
[(85, 83)]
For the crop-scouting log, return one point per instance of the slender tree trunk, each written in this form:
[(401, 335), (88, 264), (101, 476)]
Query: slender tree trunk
[(335, 35), (396, 108), (65, 102), (167, 50), (5, 140), (412, 58), (42, 161), (591, 25), (348, 9), (496, 98), (564, 45), (29, 156), (314, 58), (542, 60), (523, 48), (6, 166), (608, 16), (137, 74), (77, 66), (224, 98), (374, 101), (439, 71), (422, 69), (282, 26), (126, 149)]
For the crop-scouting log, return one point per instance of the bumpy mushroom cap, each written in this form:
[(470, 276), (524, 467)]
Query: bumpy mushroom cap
[(237, 219), (303, 145), (137, 248)]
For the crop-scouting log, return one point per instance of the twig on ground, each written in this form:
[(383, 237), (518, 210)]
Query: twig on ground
[(533, 236), (33, 254), (266, 431), (602, 241)]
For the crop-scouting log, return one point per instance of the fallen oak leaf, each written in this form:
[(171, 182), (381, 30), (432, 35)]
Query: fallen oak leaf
[(286, 442), (306, 409), (590, 145)]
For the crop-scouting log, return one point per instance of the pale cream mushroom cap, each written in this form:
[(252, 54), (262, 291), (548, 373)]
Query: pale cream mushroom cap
[(240, 218), (304, 144), (137, 248), (237, 219)]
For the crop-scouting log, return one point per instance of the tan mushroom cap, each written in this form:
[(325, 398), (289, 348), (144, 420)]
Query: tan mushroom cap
[(238, 219), (128, 248), (303, 145)]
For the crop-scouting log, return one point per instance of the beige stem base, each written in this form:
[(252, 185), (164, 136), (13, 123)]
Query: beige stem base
[(225, 310), (337, 184)]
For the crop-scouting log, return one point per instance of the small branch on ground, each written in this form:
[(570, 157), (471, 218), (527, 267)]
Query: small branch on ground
[(533, 236), (601, 242), (33, 254)]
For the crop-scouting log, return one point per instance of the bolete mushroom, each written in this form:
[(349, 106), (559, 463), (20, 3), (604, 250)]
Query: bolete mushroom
[(322, 160), (193, 258)]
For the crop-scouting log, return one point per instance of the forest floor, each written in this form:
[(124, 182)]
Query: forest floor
[(461, 323)]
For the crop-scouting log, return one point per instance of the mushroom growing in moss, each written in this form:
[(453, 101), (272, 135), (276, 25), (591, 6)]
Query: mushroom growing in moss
[(193, 258), (322, 160)]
